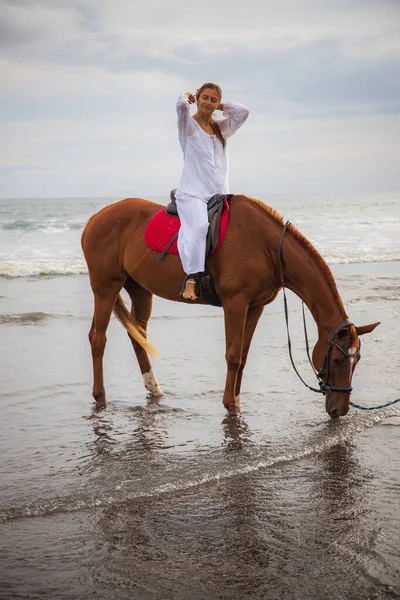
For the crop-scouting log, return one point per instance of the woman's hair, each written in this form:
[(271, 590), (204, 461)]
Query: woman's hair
[(214, 124)]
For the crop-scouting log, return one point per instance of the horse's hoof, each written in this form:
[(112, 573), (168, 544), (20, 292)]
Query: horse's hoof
[(100, 403), (233, 411), (156, 395), (153, 400), (151, 385)]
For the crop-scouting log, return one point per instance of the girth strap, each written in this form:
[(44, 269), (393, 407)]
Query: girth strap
[(167, 247)]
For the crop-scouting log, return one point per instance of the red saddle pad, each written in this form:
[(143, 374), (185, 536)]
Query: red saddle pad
[(162, 228)]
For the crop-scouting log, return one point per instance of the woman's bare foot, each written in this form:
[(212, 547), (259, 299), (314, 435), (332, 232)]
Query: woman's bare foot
[(189, 293)]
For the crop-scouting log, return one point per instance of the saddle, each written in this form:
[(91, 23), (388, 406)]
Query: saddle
[(215, 208), (168, 220)]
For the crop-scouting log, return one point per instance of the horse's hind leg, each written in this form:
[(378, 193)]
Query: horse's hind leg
[(142, 301), (105, 295)]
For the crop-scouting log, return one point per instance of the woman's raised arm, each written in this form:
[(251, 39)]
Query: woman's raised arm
[(235, 115), (185, 125)]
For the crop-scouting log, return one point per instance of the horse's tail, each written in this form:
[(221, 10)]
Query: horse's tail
[(133, 328)]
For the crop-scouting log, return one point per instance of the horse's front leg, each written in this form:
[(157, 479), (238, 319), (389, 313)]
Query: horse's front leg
[(253, 316), (235, 313)]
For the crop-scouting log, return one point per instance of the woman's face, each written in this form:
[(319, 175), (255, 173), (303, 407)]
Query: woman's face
[(208, 101)]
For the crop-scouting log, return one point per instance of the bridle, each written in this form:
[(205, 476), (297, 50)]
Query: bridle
[(324, 387)]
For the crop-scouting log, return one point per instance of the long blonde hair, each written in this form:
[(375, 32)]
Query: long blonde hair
[(214, 124)]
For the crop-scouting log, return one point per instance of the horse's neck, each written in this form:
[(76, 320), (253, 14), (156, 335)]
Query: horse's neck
[(306, 277)]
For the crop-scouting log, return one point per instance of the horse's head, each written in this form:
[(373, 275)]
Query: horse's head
[(335, 357)]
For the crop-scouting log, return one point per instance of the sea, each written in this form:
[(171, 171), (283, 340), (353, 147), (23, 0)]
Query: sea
[(172, 498)]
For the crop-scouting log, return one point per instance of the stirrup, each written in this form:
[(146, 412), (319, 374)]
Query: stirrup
[(191, 278)]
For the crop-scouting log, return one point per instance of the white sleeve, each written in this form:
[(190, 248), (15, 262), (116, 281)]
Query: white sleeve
[(185, 124), (235, 115)]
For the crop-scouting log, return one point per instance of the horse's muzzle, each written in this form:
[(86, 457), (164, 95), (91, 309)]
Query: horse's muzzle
[(337, 407)]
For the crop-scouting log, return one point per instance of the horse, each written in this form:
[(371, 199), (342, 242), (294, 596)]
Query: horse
[(248, 275)]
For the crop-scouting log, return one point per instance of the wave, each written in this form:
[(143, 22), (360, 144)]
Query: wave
[(118, 493), (78, 267), (24, 318), (54, 225), (377, 298), (362, 258), (42, 270)]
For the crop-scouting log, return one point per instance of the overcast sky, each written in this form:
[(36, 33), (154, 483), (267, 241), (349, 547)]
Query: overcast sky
[(88, 91)]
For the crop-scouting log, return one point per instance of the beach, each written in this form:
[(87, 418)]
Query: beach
[(173, 499)]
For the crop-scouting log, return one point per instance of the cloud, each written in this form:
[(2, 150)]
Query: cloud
[(89, 88), (33, 24), (159, 28), (119, 158), (41, 80), (316, 79)]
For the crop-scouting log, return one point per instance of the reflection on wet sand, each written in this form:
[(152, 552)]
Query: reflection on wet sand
[(102, 444), (236, 433), (150, 433), (259, 533), (147, 433)]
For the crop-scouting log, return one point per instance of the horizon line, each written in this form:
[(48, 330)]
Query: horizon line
[(166, 195)]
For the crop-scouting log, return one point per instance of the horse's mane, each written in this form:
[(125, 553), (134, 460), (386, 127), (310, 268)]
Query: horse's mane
[(307, 245)]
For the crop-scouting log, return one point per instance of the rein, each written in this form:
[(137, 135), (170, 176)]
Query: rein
[(324, 388)]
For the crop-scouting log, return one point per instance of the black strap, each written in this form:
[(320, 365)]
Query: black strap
[(194, 276), (306, 338), (167, 247), (325, 388), (319, 391)]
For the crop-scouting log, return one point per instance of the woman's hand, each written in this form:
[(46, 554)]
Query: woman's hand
[(191, 98), (220, 106)]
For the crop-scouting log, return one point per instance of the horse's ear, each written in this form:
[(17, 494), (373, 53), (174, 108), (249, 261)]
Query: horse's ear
[(367, 328)]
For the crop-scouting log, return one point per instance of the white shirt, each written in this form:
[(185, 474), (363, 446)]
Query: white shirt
[(206, 164)]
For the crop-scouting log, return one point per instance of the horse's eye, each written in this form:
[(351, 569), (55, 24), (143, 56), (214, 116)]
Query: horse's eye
[(337, 361)]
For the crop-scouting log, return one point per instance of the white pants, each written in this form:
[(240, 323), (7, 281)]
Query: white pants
[(192, 234)]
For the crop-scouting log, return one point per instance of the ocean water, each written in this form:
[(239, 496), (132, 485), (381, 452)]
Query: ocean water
[(41, 237), (172, 499)]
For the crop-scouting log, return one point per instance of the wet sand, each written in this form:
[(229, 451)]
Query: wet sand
[(175, 500)]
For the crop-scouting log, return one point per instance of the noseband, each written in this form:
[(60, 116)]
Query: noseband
[(324, 387)]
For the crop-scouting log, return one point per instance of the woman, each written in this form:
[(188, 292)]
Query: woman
[(205, 171)]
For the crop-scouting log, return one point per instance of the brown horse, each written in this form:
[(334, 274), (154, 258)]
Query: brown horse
[(246, 275)]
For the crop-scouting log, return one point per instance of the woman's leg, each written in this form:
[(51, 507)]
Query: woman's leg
[(192, 239)]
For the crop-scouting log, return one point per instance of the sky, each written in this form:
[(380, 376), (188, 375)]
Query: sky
[(88, 91)]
